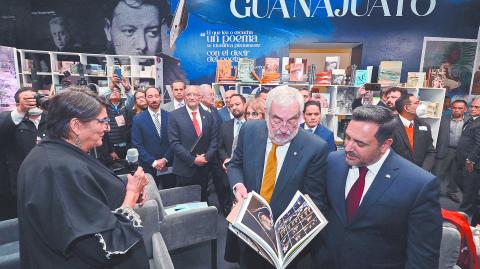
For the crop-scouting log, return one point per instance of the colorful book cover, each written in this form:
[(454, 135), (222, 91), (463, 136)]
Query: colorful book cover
[(297, 72), (389, 73), (361, 77), (370, 72), (272, 65), (224, 70), (345, 97), (338, 76), (285, 74), (437, 77), (324, 100), (323, 78), (332, 62), (245, 68), (415, 79)]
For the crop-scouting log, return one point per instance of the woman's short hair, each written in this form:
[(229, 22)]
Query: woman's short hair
[(257, 104), (73, 102)]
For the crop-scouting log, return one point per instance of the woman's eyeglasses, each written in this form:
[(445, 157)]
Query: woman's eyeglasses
[(105, 121), (253, 114)]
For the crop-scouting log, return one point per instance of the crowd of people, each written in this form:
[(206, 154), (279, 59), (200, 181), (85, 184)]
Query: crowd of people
[(378, 194)]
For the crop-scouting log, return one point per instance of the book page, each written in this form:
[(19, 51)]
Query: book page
[(256, 220), (251, 243), (297, 225)]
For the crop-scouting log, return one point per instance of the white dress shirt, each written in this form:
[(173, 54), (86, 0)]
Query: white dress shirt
[(199, 118), (353, 174), (313, 129), (18, 117), (405, 122), (177, 104), (152, 114)]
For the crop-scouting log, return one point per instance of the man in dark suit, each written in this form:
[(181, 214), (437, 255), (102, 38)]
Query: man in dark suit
[(193, 140), (21, 129), (413, 137), (276, 158), (150, 137), (384, 211), (312, 115), (446, 166), (468, 156), (224, 112), (229, 130)]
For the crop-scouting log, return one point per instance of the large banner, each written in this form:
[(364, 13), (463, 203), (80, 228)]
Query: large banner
[(206, 30)]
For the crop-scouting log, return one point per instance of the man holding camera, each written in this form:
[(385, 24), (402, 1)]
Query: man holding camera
[(21, 131)]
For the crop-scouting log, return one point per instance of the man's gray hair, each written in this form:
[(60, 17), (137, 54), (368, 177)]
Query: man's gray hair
[(284, 96), (204, 89)]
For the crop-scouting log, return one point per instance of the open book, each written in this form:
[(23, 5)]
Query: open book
[(279, 242)]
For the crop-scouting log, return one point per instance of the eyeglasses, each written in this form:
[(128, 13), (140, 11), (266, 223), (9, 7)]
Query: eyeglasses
[(253, 114), (192, 94), (290, 124)]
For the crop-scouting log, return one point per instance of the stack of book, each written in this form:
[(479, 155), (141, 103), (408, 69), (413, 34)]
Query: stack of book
[(224, 72)]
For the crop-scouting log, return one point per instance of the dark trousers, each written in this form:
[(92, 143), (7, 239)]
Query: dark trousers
[(471, 186), (165, 181), (448, 171), (8, 206), (220, 181), (200, 177)]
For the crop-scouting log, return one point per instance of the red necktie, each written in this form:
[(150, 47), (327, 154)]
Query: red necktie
[(195, 123), (355, 194)]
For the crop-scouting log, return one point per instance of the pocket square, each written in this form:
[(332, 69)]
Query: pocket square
[(422, 128)]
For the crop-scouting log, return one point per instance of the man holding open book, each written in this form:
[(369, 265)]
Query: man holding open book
[(276, 159), (384, 210)]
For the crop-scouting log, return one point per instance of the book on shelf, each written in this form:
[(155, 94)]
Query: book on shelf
[(127, 70), (415, 79), (342, 126), (27, 65), (272, 65), (245, 68), (323, 78), (350, 75), (285, 76), (338, 76), (332, 62), (95, 70), (281, 241), (297, 72), (389, 73), (437, 77), (361, 77), (224, 71), (428, 109), (345, 97), (369, 73), (63, 66), (323, 99)]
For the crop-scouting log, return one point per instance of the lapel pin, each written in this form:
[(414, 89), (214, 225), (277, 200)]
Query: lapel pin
[(295, 153), (388, 176)]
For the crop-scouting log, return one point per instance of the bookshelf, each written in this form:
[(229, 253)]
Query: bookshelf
[(97, 68)]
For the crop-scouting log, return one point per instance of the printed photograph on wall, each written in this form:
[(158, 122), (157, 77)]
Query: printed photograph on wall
[(448, 63), (476, 70), (8, 78)]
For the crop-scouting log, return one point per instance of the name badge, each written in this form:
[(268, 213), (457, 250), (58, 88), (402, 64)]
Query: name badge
[(422, 128), (120, 120)]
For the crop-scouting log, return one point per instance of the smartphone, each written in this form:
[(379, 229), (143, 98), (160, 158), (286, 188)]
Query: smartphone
[(374, 87), (118, 72)]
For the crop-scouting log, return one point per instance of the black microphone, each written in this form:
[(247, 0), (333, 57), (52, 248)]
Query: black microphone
[(132, 160)]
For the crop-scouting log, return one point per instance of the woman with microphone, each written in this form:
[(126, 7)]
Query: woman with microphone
[(73, 211)]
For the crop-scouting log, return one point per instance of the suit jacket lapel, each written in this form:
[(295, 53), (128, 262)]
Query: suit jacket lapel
[(385, 177), (337, 196), (404, 136), (164, 122), (260, 156), (294, 155), (151, 123), (188, 121)]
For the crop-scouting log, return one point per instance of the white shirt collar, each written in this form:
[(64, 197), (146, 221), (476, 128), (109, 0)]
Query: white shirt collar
[(190, 111), (176, 103), (152, 113), (308, 128), (205, 107), (375, 167), (405, 122)]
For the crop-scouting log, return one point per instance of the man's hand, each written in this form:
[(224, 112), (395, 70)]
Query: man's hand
[(240, 192), (114, 156), (161, 165), (361, 92), (200, 160), (26, 102), (469, 166), (125, 84), (224, 163)]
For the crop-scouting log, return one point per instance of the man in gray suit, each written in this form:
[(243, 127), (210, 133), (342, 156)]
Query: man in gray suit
[(446, 166), (178, 90), (275, 159)]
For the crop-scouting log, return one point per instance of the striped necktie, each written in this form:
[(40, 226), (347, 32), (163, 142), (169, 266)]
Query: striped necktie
[(156, 121)]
